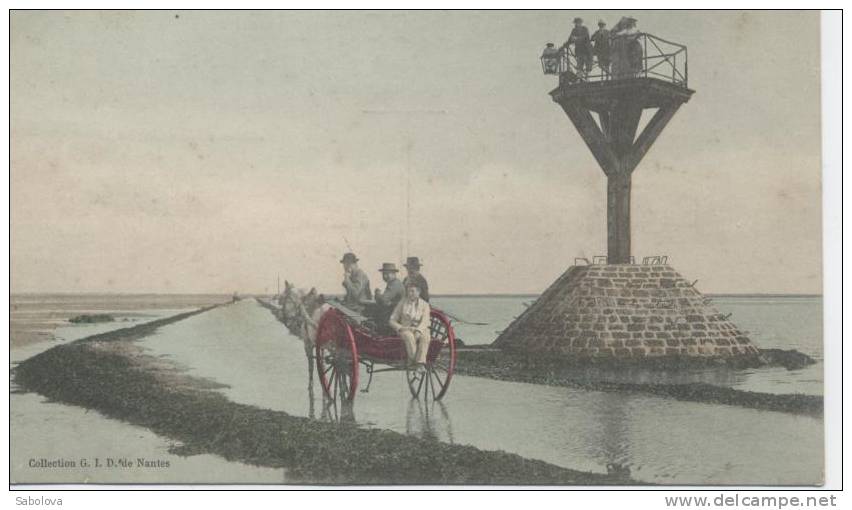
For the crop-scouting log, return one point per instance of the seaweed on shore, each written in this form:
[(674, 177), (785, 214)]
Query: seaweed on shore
[(122, 383)]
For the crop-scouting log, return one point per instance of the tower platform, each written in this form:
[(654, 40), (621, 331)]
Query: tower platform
[(641, 92), (625, 311)]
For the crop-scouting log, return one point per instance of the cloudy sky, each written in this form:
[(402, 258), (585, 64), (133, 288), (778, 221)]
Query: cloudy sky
[(208, 152)]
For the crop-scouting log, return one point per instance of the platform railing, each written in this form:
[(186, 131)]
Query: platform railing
[(638, 55)]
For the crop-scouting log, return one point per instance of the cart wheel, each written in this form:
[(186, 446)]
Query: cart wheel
[(337, 357), (440, 361)]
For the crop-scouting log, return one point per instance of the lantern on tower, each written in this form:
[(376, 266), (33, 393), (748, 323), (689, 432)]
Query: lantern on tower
[(550, 59)]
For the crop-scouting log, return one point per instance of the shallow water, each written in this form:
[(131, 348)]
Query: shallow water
[(65, 332), (779, 323), (660, 440), (45, 430), (39, 318)]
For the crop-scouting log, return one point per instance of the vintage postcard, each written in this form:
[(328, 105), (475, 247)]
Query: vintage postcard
[(539, 248)]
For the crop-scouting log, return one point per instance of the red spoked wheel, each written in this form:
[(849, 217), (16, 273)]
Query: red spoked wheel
[(337, 357), (440, 361)]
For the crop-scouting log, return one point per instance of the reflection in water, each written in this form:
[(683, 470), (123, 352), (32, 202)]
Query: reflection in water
[(610, 434), (311, 408), (718, 376), (424, 419), (429, 419), (337, 411)]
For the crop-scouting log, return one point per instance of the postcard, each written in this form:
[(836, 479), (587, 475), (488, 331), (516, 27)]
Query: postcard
[(503, 248)]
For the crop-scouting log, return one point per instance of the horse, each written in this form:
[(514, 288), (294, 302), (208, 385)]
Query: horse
[(301, 312), (289, 300)]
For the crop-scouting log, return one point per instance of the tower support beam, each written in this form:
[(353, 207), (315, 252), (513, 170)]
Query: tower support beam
[(649, 135), (618, 217), (595, 140), (614, 144)]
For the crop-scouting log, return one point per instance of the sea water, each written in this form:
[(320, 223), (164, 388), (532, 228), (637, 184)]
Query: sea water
[(659, 440)]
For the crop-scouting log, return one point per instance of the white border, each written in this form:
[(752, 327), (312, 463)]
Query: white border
[(832, 248), (832, 222)]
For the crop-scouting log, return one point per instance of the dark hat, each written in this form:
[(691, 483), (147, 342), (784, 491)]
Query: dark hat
[(549, 45), (349, 257), (388, 267), (412, 262), (578, 20), (601, 23)]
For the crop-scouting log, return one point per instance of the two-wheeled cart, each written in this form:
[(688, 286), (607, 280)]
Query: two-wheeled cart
[(345, 342)]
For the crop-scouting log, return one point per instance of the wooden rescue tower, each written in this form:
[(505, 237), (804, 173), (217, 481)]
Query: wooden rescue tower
[(619, 309), (645, 72)]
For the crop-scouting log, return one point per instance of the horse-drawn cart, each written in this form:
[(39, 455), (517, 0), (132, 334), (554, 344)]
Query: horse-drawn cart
[(345, 342)]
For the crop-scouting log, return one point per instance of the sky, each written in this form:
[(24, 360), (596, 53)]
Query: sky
[(207, 152)]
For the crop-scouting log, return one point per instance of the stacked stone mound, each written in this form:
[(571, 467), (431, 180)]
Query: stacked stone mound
[(625, 311)]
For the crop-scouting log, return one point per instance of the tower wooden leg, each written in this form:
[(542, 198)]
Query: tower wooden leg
[(618, 218)]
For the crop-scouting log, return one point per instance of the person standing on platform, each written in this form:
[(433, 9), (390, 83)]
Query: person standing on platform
[(412, 267), (626, 51), (602, 51), (582, 46)]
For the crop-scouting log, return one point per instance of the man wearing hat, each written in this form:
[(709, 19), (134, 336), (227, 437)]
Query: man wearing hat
[(601, 42), (394, 291), (582, 46), (355, 281), (412, 267)]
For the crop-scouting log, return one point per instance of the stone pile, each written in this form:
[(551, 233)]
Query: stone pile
[(625, 311)]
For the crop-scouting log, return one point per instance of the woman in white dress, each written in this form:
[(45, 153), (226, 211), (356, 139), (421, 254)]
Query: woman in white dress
[(411, 319)]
